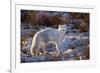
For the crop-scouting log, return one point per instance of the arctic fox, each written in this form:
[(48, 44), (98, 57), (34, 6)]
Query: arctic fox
[(44, 36)]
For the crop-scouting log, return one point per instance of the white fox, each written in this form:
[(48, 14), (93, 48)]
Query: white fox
[(44, 36)]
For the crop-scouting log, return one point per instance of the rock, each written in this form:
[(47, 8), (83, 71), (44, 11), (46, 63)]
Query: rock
[(39, 58), (79, 43), (84, 34), (65, 45), (50, 47)]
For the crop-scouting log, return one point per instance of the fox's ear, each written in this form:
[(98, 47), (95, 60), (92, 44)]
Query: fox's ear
[(59, 26)]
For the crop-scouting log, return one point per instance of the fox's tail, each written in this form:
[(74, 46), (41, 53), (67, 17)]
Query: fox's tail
[(35, 45)]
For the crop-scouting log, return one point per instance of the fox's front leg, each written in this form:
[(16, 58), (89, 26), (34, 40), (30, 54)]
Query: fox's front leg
[(57, 47)]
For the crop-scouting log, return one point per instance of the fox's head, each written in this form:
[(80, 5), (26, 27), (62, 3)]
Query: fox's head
[(62, 28)]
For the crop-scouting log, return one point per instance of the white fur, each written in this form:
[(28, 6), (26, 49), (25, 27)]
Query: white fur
[(42, 37)]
